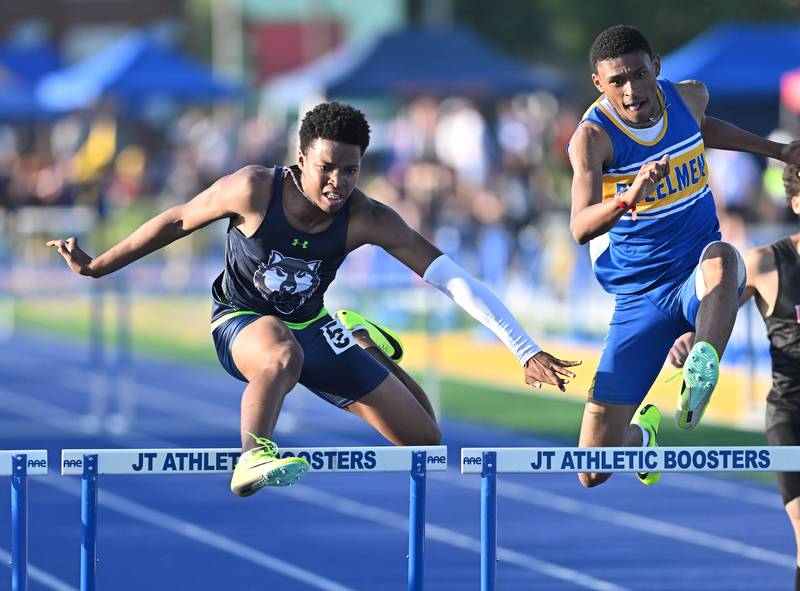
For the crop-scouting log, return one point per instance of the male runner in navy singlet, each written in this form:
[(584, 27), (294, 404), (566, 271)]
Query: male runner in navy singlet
[(289, 230), (773, 281)]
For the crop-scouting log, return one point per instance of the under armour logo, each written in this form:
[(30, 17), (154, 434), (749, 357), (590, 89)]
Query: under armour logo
[(301, 243)]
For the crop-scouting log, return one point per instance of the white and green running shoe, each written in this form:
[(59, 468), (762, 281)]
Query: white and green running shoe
[(385, 338), (262, 467), (700, 375), (649, 418)]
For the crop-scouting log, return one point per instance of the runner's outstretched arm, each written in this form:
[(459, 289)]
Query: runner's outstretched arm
[(226, 198), (383, 227), (722, 135)]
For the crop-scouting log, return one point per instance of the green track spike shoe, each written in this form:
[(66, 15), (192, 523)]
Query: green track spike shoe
[(385, 338), (262, 467), (700, 375), (649, 418)]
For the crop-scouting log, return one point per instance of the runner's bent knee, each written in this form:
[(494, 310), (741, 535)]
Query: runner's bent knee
[(427, 435), (284, 359), (720, 260), (432, 435), (592, 479)]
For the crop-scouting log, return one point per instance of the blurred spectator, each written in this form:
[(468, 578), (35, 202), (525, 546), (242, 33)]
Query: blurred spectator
[(494, 242), (128, 179), (735, 182), (411, 135), (490, 191), (772, 182), (8, 154), (97, 151), (461, 139), (429, 186)]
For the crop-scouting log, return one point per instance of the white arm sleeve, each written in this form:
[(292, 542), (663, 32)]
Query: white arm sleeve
[(480, 303)]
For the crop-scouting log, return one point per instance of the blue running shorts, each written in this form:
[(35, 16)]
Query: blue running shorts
[(643, 328), (335, 368)]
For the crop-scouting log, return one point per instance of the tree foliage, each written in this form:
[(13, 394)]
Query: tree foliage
[(562, 31)]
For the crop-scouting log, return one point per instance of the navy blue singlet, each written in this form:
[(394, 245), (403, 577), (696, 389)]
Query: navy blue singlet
[(280, 271)]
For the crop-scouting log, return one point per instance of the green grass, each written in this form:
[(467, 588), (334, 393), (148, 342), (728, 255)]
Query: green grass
[(560, 419), (74, 324), (515, 411), (550, 416)]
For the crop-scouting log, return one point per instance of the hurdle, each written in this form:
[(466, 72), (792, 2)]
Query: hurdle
[(90, 463), (488, 462), (19, 465)]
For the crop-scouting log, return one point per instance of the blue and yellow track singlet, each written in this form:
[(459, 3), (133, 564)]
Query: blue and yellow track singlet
[(674, 223)]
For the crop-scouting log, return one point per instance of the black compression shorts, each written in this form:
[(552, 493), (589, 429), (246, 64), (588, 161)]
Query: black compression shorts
[(786, 433)]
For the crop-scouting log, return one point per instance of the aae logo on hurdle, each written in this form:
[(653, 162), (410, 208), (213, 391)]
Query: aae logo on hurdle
[(35, 461), (634, 459), (212, 461)]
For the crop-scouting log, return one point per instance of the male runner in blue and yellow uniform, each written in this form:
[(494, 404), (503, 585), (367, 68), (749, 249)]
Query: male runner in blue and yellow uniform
[(640, 194), (773, 281), (289, 230)]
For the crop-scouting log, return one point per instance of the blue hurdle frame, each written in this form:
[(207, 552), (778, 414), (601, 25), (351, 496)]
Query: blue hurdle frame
[(608, 459), (89, 522), (416, 522), (488, 520), (18, 469), (19, 522)]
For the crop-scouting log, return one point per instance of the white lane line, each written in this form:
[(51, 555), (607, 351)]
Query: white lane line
[(45, 412), (358, 510), (565, 504), (202, 535), (39, 575), (219, 415), (726, 489), (169, 402), (60, 418), (630, 520), (23, 406), (554, 502), (355, 509)]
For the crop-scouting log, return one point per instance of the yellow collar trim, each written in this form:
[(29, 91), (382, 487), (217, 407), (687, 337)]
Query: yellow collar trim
[(624, 128)]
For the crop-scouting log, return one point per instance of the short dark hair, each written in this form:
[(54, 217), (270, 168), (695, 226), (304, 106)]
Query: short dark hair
[(334, 121), (791, 180), (616, 41)]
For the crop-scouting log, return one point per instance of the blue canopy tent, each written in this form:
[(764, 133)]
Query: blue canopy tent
[(741, 64), (29, 63), (134, 70), (412, 62), (442, 62), (21, 66), (17, 100)]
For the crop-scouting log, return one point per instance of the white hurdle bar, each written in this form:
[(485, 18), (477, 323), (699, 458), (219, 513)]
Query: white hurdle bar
[(19, 465), (89, 463), (488, 462)]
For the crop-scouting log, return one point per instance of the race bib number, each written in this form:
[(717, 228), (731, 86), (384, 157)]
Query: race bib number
[(338, 337)]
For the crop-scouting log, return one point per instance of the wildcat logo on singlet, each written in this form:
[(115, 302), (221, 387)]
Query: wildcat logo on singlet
[(286, 282)]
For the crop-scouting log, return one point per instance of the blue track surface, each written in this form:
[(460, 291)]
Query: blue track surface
[(348, 532)]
